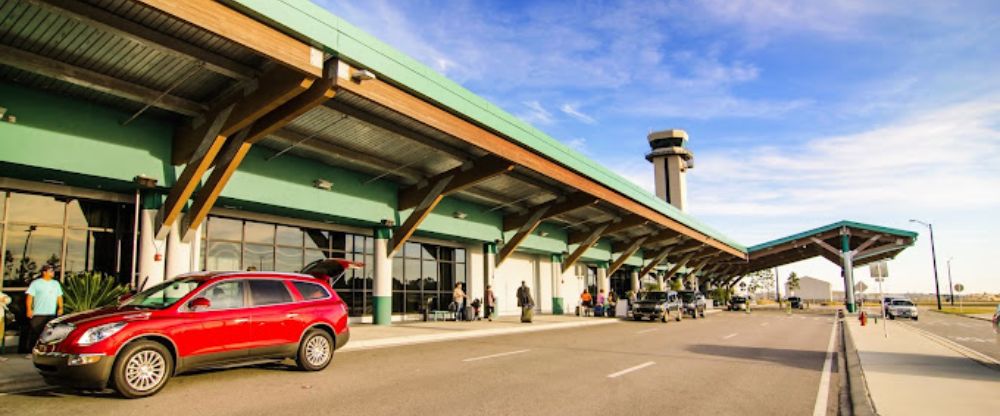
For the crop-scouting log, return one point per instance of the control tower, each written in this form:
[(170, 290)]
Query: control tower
[(670, 160)]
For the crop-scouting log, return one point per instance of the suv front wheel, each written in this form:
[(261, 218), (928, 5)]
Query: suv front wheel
[(142, 369), (316, 351)]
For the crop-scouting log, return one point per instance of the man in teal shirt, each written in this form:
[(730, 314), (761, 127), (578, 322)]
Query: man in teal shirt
[(45, 302)]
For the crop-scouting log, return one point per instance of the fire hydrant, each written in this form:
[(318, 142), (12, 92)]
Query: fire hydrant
[(863, 317)]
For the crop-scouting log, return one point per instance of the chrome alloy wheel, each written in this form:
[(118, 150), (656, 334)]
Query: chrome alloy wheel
[(145, 370), (317, 350)]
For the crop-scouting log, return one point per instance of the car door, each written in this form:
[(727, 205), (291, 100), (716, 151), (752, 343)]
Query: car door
[(218, 333), (272, 318)]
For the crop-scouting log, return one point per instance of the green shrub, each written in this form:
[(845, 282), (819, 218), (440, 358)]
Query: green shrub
[(90, 290)]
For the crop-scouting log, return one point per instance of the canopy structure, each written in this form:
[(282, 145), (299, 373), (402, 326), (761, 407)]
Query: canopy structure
[(847, 244)]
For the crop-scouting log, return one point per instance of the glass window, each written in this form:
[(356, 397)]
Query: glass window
[(83, 214), (269, 292), (447, 254), (223, 255), (288, 259), (397, 274), (36, 209), (339, 241), (225, 295), (429, 252), (460, 273), (411, 250), (313, 255), (288, 236), (446, 276), (430, 274), (317, 240), (225, 229), (166, 293), (29, 247), (411, 273), (311, 291), (259, 233), (259, 256), (460, 255)]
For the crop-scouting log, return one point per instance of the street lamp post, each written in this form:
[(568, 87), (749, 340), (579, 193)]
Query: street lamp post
[(951, 290), (937, 286)]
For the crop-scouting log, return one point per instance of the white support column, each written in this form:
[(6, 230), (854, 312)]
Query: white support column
[(558, 303), (848, 268), (151, 251), (182, 257), (634, 274), (659, 281), (602, 277), (489, 268), (382, 290)]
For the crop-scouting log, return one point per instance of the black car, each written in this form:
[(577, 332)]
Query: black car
[(738, 303), (796, 302)]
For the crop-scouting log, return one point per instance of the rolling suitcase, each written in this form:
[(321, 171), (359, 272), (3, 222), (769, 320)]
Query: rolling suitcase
[(470, 313), (527, 314)]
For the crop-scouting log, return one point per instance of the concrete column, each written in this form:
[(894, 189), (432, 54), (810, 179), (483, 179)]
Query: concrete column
[(151, 251), (382, 290), (558, 305), (182, 257), (489, 268), (848, 268), (659, 281), (602, 277), (635, 280)]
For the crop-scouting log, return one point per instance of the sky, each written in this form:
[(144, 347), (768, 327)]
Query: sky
[(799, 114)]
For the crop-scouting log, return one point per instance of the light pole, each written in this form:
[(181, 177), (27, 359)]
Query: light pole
[(951, 290), (937, 287)]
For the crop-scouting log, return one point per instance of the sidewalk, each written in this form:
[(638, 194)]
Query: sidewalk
[(18, 373), (911, 373)]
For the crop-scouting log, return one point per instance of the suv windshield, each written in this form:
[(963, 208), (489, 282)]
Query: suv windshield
[(687, 296), (166, 293), (902, 303), (654, 296)]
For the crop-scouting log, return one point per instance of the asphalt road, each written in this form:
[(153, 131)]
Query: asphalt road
[(766, 363), (972, 333)]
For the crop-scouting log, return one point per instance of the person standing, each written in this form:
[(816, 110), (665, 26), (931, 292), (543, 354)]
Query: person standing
[(459, 297), (491, 302), (586, 302), (44, 303), (525, 302)]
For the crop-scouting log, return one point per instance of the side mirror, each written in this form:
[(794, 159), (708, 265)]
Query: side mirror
[(199, 304)]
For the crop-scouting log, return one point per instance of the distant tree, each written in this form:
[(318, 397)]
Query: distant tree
[(793, 282), (676, 284), (762, 279)]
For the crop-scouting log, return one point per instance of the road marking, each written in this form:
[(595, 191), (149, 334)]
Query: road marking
[(631, 369), (730, 335), (502, 354), (824, 381), (764, 323), (646, 331)]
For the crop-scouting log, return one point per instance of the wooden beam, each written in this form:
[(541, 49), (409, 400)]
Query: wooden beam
[(865, 245), (317, 94), (655, 261), (432, 197), (395, 128), (522, 233), (86, 78), (625, 255), (463, 177), (159, 41), (678, 250), (242, 29), (624, 224), (555, 208), (677, 266), (595, 234), (208, 148), (659, 238), (822, 244), (791, 245), (427, 113), (275, 88), (328, 148)]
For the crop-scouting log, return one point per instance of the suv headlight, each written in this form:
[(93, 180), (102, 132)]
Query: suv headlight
[(100, 333)]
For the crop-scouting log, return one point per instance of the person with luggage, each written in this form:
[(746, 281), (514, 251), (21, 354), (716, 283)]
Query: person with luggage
[(491, 302), (459, 298), (612, 303), (526, 303)]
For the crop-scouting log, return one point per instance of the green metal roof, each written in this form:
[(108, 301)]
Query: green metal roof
[(850, 224), (313, 24)]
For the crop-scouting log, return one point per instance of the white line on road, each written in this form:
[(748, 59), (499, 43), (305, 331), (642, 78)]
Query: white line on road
[(631, 369), (764, 323), (824, 381), (646, 331), (730, 335), (502, 354)]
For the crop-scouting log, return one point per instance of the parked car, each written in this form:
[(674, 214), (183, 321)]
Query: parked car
[(902, 308), (693, 303), (886, 301), (738, 303), (657, 305), (194, 321), (796, 302)]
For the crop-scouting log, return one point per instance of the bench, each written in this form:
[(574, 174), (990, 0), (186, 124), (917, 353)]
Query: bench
[(440, 315)]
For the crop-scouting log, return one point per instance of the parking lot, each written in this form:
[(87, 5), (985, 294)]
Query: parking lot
[(767, 362)]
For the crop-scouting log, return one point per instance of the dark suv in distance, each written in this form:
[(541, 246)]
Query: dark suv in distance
[(657, 305), (194, 321), (738, 303), (693, 303), (796, 302)]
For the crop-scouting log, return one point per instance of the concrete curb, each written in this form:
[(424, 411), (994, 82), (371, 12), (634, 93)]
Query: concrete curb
[(963, 315), (861, 403), (479, 333)]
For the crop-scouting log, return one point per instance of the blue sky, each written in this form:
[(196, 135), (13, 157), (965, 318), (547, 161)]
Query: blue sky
[(799, 113)]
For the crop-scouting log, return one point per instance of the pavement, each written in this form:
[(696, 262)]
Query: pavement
[(974, 334), (767, 362), (914, 371)]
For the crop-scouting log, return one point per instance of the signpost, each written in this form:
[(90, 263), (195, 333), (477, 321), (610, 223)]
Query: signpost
[(879, 271), (959, 288)]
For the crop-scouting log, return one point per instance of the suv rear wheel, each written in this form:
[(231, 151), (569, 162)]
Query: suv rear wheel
[(142, 369), (316, 351)]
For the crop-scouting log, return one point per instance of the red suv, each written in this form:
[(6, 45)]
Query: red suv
[(195, 321)]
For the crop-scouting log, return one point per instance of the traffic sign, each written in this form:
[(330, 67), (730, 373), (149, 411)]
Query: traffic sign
[(959, 287), (878, 270)]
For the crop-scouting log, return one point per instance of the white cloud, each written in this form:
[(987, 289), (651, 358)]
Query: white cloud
[(536, 113), (579, 144), (571, 111)]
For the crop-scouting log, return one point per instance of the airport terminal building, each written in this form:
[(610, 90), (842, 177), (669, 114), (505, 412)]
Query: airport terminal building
[(149, 138)]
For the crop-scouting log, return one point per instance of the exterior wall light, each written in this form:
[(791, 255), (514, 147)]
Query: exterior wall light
[(362, 75), (323, 184), (459, 214), (144, 181), (543, 234), (388, 223)]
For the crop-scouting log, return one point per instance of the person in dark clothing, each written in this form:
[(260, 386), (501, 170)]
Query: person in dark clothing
[(491, 302), (525, 302)]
